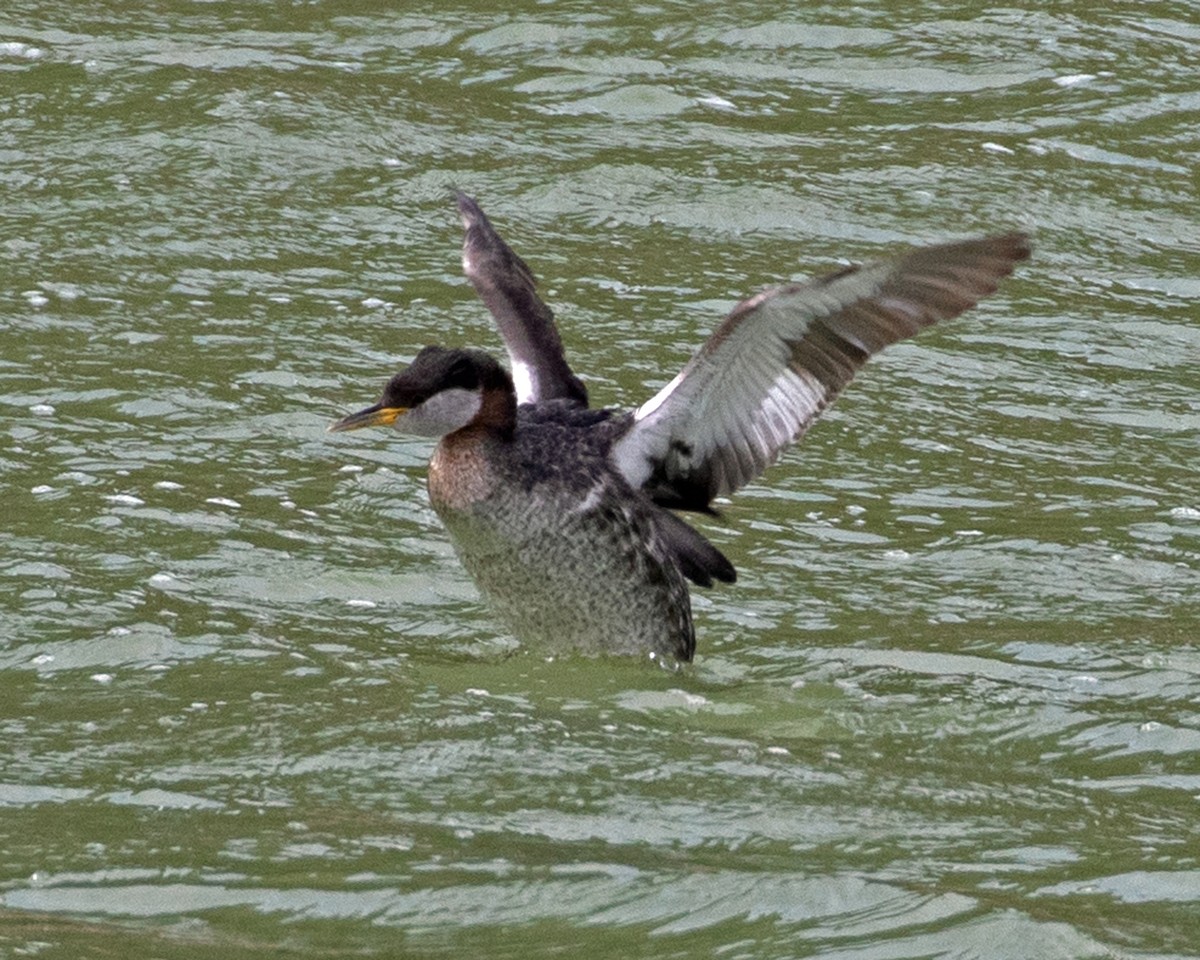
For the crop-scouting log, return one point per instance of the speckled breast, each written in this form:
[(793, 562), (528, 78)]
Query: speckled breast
[(569, 559)]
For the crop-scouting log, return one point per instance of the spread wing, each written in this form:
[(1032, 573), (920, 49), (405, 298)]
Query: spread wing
[(508, 289), (781, 357)]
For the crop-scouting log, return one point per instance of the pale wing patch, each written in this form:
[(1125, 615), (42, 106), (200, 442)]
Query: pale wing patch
[(782, 357), (523, 381), (592, 500)]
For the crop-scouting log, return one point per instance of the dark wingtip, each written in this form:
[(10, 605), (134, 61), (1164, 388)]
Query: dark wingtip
[(469, 208), (698, 559), (727, 573), (1017, 244)]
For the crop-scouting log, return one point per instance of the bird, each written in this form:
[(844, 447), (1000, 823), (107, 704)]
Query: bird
[(564, 514)]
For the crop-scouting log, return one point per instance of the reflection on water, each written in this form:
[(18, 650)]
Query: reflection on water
[(249, 700)]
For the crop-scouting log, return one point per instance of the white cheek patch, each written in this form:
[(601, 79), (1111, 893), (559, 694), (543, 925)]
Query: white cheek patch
[(442, 413)]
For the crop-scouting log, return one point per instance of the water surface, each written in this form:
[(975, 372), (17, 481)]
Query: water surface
[(248, 699)]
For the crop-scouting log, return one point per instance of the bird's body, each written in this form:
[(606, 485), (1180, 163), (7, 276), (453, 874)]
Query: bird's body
[(569, 555), (560, 513)]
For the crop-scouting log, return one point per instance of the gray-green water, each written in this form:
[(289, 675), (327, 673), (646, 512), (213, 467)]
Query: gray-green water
[(248, 703)]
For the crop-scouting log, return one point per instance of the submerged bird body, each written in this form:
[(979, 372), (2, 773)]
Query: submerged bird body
[(560, 513), (569, 555)]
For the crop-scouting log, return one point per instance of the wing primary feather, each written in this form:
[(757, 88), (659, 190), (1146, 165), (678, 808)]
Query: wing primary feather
[(782, 356), (508, 289)]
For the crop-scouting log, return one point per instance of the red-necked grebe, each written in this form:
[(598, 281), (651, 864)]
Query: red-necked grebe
[(562, 514)]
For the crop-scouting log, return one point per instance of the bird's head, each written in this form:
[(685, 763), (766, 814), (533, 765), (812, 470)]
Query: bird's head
[(441, 391)]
